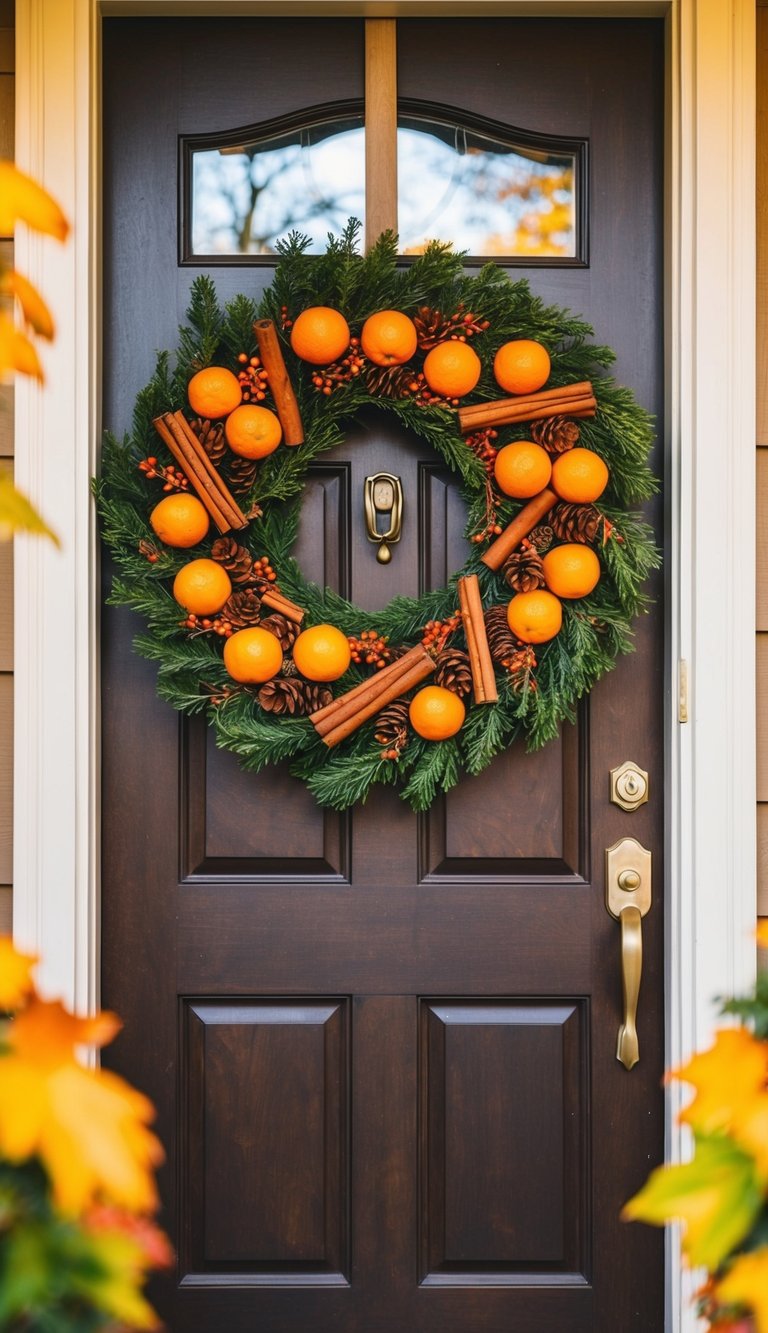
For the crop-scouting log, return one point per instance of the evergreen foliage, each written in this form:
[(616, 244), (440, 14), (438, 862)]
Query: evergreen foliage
[(595, 629)]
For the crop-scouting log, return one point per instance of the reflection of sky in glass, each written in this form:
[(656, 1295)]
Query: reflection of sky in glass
[(468, 190)]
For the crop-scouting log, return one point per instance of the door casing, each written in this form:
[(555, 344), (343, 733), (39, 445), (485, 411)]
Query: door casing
[(710, 448)]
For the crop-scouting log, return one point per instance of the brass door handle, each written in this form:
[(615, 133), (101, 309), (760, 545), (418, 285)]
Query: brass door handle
[(383, 496), (628, 898)]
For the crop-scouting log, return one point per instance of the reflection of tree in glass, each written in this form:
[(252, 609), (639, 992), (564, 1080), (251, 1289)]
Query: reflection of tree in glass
[(481, 195), (245, 200)]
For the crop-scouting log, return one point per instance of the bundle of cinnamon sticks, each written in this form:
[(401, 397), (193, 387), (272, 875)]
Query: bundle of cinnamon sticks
[(573, 400), (480, 660), (180, 440), (344, 715), (283, 605)]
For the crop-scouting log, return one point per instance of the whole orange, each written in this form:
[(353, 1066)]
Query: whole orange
[(521, 366), (320, 335), (253, 655), (253, 432), (579, 475), (202, 587), (522, 469), (436, 713), (571, 570), (452, 368), (214, 392), (535, 617), (322, 652), (180, 520), (388, 338)]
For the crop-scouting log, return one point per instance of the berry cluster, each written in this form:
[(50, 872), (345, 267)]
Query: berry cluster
[(492, 527), (262, 570), (149, 551), (481, 445), (252, 378), (205, 625), (340, 372), (438, 632), (171, 477), (369, 649)]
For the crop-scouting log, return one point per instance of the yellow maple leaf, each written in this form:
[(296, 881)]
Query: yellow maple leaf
[(88, 1126), (23, 200), (729, 1078), (746, 1283), (33, 307), (15, 975)]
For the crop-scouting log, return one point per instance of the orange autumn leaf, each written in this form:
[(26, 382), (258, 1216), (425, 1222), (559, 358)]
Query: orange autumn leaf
[(23, 200), (17, 353), (15, 975), (746, 1283), (728, 1078), (35, 311), (88, 1126), (761, 934)]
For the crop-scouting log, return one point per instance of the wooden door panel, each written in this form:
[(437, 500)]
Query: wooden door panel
[(266, 1098), (504, 1141), (382, 1044)]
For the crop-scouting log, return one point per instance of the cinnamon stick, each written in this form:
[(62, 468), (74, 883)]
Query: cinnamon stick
[(338, 710), (376, 700), (481, 663), (521, 525), (283, 605), (180, 440), (286, 406), (573, 400)]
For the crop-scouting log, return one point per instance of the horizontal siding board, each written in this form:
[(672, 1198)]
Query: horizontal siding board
[(6, 778), (762, 226), (6, 909), (6, 606), (761, 519), (762, 859), (7, 50)]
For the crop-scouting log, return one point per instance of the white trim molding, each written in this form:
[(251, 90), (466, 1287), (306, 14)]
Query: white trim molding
[(710, 341)]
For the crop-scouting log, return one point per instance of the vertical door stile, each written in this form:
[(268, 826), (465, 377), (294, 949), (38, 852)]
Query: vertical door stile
[(380, 128)]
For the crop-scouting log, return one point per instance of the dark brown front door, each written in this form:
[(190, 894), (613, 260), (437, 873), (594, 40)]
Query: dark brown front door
[(382, 1045)]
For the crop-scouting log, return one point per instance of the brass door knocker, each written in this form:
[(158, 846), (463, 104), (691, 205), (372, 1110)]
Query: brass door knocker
[(383, 498)]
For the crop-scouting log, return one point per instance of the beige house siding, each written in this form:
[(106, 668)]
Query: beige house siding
[(7, 64), (761, 610)]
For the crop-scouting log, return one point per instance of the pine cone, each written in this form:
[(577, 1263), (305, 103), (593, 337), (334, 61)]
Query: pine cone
[(236, 559), (541, 538), (315, 696), (453, 671), (501, 640), (289, 668), (392, 726), (242, 474), (242, 608), (555, 434), (283, 695), (575, 522), (524, 570), (285, 631), (392, 381), (211, 436), (431, 327)]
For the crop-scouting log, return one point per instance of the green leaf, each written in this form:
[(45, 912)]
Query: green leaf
[(716, 1196)]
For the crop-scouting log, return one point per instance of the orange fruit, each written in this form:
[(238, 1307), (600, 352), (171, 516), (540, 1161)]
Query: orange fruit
[(436, 713), (579, 475), (521, 366), (202, 587), (522, 469), (180, 520), (452, 369), (214, 392), (322, 653), (320, 335), (389, 338), (252, 655), (571, 570), (535, 617), (253, 432)]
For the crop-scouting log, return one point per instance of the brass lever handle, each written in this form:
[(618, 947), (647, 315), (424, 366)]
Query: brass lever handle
[(627, 1048), (628, 898), (383, 495)]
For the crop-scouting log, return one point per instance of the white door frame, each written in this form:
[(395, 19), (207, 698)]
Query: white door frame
[(710, 342)]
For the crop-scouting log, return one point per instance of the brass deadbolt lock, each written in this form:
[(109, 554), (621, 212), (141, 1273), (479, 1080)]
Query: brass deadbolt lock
[(629, 786)]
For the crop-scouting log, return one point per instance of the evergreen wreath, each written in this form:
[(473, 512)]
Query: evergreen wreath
[(538, 685)]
